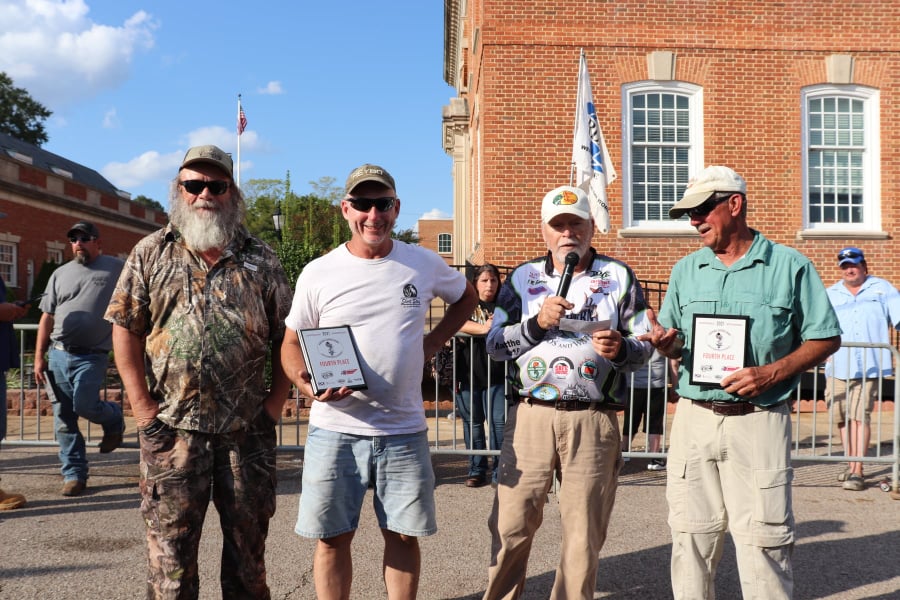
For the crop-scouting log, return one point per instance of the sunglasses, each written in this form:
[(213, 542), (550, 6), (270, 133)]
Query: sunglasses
[(366, 204), (216, 187), (707, 206), (849, 254), (84, 239)]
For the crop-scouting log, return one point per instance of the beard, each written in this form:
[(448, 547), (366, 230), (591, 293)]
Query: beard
[(204, 230)]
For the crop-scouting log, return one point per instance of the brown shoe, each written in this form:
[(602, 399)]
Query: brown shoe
[(73, 487), (11, 501), (111, 441), (476, 481)]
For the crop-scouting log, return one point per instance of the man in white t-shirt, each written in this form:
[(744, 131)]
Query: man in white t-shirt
[(375, 437)]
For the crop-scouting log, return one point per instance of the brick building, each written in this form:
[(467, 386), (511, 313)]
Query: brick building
[(802, 98), (44, 194), (437, 236)]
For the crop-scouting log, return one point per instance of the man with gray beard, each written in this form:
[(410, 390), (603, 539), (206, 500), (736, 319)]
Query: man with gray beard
[(198, 306), (77, 340)]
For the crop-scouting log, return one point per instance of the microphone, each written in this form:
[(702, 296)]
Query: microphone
[(572, 259)]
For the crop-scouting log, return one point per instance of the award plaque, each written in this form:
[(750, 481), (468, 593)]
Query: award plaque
[(332, 358), (717, 347)]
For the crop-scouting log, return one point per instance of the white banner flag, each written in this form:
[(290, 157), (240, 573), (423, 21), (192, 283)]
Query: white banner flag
[(593, 170)]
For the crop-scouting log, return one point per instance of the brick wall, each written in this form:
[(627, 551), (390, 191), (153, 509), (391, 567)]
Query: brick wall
[(429, 229), (751, 58)]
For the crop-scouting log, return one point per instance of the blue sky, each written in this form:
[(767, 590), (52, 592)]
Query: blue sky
[(326, 86)]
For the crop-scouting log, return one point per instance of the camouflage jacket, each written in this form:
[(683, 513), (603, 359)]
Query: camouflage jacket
[(207, 330)]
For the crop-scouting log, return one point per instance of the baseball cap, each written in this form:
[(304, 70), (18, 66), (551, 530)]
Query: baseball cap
[(704, 184), (211, 155), (852, 255), (84, 227), (368, 172), (565, 200)]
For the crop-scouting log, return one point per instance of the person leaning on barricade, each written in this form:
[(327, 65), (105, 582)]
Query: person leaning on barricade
[(866, 307), (729, 459), (569, 353), (480, 398)]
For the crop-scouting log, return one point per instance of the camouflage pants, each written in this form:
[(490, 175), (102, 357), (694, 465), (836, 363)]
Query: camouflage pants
[(180, 471)]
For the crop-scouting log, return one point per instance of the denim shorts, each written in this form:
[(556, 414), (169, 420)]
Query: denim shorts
[(338, 468)]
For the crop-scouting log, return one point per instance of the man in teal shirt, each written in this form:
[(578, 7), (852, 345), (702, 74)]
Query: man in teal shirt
[(729, 459)]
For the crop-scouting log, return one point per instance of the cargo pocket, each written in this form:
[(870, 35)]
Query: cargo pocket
[(773, 501), (772, 522)]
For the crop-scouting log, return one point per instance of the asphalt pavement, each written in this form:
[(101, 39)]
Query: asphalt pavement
[(92, 546)]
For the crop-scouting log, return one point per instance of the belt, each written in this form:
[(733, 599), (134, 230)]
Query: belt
[(728, 409), (77, 349), (567, 405)]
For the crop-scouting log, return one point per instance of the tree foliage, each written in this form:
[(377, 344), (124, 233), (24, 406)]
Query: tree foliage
[(313, 223), (149, 202), (21, 116)]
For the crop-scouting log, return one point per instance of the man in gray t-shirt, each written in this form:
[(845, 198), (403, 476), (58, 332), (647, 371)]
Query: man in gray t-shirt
[(78, 339)]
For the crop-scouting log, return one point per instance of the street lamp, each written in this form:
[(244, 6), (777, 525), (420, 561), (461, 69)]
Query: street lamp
[(278, 219)]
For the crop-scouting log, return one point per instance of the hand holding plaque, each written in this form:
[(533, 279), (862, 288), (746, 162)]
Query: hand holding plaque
[(718, 346), (332, 358)]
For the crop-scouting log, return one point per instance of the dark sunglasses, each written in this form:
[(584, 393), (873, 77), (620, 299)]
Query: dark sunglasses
[(216, 187), (84, 239), (707, 207), (849, 254), (366, 204)]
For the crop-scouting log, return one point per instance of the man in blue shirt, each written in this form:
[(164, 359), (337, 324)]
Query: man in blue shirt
[(764, 318), (866, 305)]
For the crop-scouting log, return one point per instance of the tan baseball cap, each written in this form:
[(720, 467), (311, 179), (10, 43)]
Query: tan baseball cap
[(369, 172), (209, 154)]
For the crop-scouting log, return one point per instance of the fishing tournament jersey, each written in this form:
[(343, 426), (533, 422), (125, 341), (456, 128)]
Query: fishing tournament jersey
[(559, 364)]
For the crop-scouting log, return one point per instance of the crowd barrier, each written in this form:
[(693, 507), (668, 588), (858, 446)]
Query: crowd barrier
[(815, 430)]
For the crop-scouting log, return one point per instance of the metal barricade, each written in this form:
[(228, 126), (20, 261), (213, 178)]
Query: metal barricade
[(814, 426)]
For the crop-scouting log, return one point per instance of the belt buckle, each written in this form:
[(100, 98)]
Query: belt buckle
[(565, 405)]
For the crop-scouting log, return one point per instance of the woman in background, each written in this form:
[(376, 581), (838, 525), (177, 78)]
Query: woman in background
[(480, 396)]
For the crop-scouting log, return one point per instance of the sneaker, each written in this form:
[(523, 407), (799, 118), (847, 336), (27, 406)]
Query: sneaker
[(73, 487), (854, 483), (111, 441), (657, 464), (843, 475), (11, 501)]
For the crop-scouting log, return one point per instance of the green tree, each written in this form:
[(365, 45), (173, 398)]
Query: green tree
[(149, 202), (410, 236), (21, 116)]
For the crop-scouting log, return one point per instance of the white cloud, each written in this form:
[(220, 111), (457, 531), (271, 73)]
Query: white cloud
[(149, 166), (435, 213), (111, 119), (272, 88), (157, 167), (52, 49)]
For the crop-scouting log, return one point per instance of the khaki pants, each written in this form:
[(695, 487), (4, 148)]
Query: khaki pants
[(585, 446), (730, 473)]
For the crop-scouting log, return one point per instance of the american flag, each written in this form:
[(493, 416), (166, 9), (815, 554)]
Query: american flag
[(242, 120)]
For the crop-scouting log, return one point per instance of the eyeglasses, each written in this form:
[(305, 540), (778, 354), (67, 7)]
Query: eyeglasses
[(84, 239), (217, 187), (366, 204), (854, 254), (708, 205)]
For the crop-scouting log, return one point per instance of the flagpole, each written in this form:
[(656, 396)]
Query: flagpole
[(237, 179)]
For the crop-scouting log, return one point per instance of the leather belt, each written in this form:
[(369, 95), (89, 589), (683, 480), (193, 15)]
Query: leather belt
[(728, 409), (566, 405), (77, 349)]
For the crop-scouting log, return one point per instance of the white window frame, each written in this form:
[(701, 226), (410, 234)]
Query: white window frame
[(9, 271), (870, 98), (449, 243), (695, 151)]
